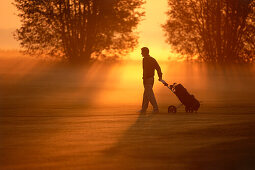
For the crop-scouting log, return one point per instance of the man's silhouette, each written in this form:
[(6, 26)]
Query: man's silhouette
[(149, 66)]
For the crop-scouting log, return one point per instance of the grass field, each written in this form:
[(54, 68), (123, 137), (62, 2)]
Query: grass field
[(56, 117)]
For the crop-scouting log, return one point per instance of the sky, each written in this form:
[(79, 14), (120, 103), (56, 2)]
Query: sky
[(8, 23), (150, 31)]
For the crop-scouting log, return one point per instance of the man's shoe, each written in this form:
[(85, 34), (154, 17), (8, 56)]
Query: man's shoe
[(155, 111), (142, 111)]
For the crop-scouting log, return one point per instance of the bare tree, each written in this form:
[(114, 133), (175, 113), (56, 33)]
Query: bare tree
[(78, 30), (219, 31)]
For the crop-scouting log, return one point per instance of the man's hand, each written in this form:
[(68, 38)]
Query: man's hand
[(160, 78)]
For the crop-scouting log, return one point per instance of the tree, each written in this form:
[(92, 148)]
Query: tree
[(219, 31), (78, 30)]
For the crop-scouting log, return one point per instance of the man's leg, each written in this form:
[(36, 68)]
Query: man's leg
[(148, 95), (145, 100), (152, 100), (147, 84)]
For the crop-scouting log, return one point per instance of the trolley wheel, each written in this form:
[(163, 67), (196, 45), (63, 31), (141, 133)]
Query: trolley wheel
[(172, 109), (189, 109)]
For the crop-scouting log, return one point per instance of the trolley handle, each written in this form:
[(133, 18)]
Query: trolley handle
[(171, 87), (165, 83)]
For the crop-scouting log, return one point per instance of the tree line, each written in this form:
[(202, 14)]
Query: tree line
[(216, 31)]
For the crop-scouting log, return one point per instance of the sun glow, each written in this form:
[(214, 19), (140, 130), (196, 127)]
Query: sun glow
[(151, 33)]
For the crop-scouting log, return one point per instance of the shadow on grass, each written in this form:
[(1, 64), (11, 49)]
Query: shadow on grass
[(184, 141)]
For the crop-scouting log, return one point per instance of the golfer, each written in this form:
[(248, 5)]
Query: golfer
[(149, 66)]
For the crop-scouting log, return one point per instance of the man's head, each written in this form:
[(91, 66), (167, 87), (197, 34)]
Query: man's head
[(145, 51)]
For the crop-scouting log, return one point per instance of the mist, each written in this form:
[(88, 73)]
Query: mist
[(86, 117), (34, 84)]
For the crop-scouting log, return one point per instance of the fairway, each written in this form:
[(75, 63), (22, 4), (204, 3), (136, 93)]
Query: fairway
[(54, 117)]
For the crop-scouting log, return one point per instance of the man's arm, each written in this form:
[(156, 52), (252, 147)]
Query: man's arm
[(157, 67)]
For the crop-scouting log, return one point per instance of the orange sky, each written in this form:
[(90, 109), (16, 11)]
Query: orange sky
[(8, 22), (151, 33)]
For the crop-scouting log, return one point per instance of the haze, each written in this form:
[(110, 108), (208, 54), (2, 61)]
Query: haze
[(57, 116)]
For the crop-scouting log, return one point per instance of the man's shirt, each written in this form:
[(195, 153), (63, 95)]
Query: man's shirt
[(149, 66)]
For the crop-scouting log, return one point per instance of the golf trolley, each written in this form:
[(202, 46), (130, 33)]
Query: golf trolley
[(189, 101)]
